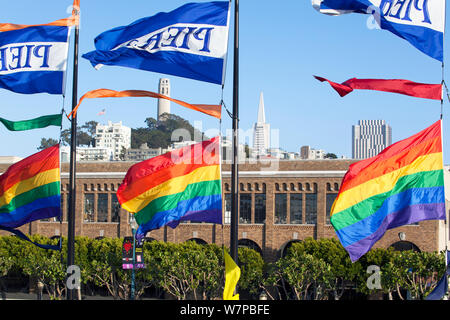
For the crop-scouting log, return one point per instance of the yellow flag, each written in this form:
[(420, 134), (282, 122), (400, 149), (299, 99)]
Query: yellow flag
[(232, 275)]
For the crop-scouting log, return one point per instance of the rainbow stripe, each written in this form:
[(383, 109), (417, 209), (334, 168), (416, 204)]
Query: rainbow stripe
[(184, 184), (30, 189), (403, 184)]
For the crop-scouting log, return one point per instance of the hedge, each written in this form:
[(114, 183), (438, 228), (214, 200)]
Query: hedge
[(312, 269)]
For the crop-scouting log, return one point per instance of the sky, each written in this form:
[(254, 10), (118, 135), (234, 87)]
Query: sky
[(282, 45)]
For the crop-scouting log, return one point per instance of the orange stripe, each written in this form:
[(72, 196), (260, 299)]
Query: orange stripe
[(45, 160), (402, 159), (212, 110), (74, 20)]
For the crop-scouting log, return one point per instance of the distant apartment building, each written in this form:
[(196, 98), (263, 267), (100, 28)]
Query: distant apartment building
[(369, 138), (114, 136), (87, 153), (143, 153), (308, 153)]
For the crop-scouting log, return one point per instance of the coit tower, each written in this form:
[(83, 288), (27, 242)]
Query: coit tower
[(163, 104)]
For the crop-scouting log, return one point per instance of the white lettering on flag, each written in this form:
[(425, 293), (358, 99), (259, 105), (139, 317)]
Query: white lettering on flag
[(205, 40)]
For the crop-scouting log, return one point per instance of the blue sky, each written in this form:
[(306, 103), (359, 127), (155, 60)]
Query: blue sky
[(282, 45)]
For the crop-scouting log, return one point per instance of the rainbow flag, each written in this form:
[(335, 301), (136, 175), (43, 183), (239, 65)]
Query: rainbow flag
[(30, 189), (403, 184), (184, 184)]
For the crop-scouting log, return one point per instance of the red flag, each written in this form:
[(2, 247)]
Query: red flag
[(406, 87)]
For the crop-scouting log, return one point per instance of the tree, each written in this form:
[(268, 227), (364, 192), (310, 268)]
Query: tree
[(302, 276), (45, 266), (330, 156), (47, 143), (418, 272)]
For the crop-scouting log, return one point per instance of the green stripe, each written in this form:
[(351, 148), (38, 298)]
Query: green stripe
[(199, 189), (47, 190), (369, 206), (37, 123)]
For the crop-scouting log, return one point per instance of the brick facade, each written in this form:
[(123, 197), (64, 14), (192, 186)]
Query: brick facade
[(296, 180)]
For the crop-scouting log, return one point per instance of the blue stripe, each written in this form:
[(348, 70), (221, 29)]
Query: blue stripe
[(30, 82), (213, 13), (35, 34), (395, 203), (427, 40), (38, 209), (191, 209), (174, 63)]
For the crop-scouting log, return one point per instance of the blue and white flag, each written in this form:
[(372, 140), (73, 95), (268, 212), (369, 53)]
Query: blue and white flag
[(34, 59), (420, 22), (190, 41)]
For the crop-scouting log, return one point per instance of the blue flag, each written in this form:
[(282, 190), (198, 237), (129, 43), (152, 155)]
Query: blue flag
[(190, 41), (420, 22), (34, 59)]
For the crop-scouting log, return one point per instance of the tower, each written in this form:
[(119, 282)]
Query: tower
[(261, 131), (369, 138), (163, 104)]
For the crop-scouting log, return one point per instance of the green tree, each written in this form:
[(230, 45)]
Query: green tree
[(418, 272), (45, 266), (47, 143), (333, 254), (301, 276)]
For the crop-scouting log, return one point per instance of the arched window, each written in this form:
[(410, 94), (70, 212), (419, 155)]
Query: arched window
[(285, 248), (404, 246), (197, 240), (249, 244)]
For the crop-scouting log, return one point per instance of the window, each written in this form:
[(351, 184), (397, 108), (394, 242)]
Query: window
[(311, 208), (102, 207), (280, 208), (115, 208), (227, 217), (296, 208), (330, 200), (245, 208), (260, 207), (88, 207)]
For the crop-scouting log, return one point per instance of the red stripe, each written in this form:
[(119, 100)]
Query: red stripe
[(150, 173), (27, 168), (395, 156)]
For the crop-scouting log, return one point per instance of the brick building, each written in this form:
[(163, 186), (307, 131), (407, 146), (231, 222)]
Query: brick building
[(280, 202)]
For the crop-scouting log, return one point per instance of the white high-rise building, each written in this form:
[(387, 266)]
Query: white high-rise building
[(114, 136), (261, 131), (163, 104), (369, 138)]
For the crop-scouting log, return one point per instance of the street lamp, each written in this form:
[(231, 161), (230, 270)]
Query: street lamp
[(134, 226)]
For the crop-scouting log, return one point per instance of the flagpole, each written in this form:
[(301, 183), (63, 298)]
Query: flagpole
[(73, 151), (235, 166)]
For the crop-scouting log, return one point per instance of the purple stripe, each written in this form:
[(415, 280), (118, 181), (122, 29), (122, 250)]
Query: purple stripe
[(43, 213), (408, 215), (208, 216)]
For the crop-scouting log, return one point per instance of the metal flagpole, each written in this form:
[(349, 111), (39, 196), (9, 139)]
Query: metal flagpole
[(73, 151), (235, 166)]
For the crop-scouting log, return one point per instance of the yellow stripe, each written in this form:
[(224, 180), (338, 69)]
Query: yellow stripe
[(385, 182), (38, 180), (172, 186)]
